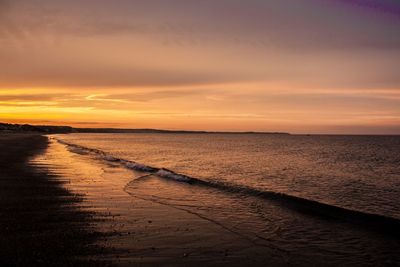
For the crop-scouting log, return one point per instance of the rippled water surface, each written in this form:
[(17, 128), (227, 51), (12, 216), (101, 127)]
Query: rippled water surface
[(355, 172), (241, 199)]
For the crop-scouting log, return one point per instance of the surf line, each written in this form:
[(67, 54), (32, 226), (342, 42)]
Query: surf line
[(375, 222)]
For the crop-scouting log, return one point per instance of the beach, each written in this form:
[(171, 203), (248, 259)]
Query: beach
[(200, 133), (66, 204), (146, 230), (50, 216), (41, 223)]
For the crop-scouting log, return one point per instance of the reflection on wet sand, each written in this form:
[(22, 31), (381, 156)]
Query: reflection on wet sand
[(157, 220)]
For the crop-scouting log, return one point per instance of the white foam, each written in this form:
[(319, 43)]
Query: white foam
[(128, 164), (137, 166), (171, 175)]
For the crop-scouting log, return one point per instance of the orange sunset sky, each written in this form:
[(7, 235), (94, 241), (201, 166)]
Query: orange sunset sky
[(301, 66)]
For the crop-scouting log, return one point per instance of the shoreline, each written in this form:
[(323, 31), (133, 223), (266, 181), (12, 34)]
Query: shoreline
[(62, 206), (150, 231), (55, 214), (41, 222), (162, 222)]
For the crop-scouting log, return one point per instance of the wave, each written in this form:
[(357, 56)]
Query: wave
[(161, 172), (377, 222)]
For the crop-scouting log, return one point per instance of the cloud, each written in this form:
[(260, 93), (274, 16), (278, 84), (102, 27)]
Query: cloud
[(161, 94), (31, 97), (271, 62), (175, 43), (381, 6), (289, 23), (105, 76)]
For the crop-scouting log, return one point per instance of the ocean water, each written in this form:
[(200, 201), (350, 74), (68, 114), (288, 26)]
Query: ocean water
[(354, 172), (332, 198)]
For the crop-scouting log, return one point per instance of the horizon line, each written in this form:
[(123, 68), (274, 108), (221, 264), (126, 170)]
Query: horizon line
[(157, 130)]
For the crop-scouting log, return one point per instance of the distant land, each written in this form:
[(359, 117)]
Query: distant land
[(7, 127)]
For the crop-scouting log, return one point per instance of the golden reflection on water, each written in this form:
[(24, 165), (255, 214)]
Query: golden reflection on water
[(156, 219)]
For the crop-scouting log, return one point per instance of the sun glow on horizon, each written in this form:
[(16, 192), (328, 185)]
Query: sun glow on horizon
[(210, 108), (254, 66)]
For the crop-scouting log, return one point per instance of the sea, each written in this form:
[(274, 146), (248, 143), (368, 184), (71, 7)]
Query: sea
[(330, 196)]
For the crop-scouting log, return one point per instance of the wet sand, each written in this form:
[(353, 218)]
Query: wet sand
[(147, 231), (41, 223), (63, 207), (59, 208), (162, 222)]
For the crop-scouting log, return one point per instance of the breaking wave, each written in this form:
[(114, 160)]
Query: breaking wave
[(376, 222), (161, 172)]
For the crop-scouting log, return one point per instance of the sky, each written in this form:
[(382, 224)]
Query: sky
[(299, 66)]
